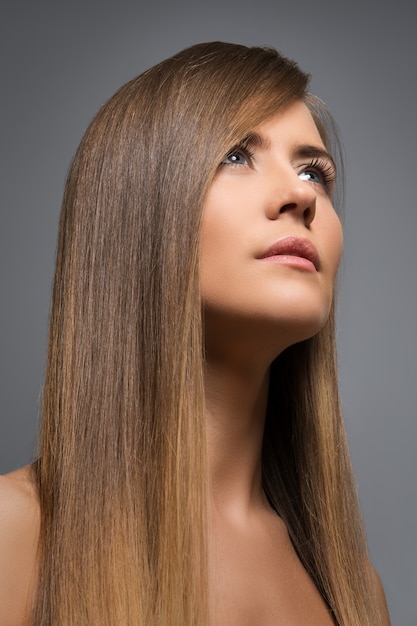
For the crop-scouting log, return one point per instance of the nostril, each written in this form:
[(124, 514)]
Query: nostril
[(309, 214), (288, 207)]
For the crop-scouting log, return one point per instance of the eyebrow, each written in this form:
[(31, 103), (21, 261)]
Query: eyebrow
[(310, 152), (256, 141)]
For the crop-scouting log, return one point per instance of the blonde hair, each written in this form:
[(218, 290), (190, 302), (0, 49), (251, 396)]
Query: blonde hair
[(122, 462)]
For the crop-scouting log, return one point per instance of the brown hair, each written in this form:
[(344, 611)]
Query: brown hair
[(122, 464)]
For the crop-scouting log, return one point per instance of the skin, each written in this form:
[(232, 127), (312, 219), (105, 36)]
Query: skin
[(19, 532), (253, 310)]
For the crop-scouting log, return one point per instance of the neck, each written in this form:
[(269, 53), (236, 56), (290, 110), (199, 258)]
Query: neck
[(236, 400)]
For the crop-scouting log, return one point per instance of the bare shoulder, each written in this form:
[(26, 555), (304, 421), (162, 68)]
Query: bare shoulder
[(19, 532), (19, 504)]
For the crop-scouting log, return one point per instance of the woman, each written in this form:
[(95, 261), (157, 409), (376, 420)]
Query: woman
[(193, 467)]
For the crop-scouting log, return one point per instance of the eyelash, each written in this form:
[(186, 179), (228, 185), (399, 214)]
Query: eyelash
[(243, 150), (322, 167)]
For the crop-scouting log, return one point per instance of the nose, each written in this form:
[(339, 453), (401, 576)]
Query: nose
[(295, 197)]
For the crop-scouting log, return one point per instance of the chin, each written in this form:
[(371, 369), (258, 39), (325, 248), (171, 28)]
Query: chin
[(296, 320), (304, 332), (288, 332)]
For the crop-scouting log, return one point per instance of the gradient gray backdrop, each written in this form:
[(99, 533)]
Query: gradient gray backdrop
[(60, 61)]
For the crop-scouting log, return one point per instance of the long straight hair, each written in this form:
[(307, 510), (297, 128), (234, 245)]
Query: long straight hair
[(122, 461)]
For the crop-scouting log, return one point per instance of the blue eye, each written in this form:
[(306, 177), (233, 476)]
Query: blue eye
[(235, 158), (319, 171), (312, 176)]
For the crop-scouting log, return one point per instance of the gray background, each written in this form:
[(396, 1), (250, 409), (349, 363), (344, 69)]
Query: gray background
[(60, 61)]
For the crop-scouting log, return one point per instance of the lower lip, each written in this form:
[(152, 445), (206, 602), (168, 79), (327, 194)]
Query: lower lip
[(297, 262)]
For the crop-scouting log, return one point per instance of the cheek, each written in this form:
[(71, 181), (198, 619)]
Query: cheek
[(332, 237), (337, 247), (222, 236), (215, 247)]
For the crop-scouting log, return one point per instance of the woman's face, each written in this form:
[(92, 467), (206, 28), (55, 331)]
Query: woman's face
[(271, 240)]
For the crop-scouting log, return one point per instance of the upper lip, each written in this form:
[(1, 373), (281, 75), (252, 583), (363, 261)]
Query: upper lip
[(294, 246)]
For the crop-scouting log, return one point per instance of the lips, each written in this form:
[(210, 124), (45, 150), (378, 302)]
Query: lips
[(288, 249)]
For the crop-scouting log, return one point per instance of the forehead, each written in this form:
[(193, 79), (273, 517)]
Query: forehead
[(291, 125)]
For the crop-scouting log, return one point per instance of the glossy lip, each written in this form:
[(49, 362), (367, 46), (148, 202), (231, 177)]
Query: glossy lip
[(295, 251)]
